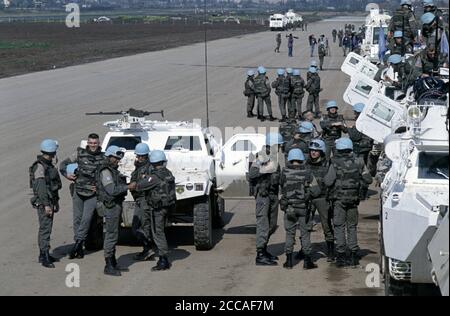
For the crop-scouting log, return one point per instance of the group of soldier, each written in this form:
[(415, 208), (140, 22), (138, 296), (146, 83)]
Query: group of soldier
[(289, 87), (324, 172), (97, 185)]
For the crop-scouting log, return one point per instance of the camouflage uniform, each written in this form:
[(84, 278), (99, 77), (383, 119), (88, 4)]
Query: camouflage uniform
[(322, 54), (45, 182), (159, 188), (313, 88), (298, 92), (282, 87), (331, 133), (362, 144), (84, 198), (249, 92), (301, 143), (111, 192), (288, 129), (345, 177), (405, 21), (262, 92), (298, 186)]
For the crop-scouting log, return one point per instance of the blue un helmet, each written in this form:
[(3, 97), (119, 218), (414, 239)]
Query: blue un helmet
[(427, 18), (71, 168), (306, 127), (358, 107), (313, 63), (317, 144), (395, 59), (141, 149), (344, 143), (296, 155), (157, 156), (331, 104), (312, 70), (296, 72), (261, 70), (250, 72), (398, 34), (274, 139), (114, 151), (428, 3), (289, 71), (280, 72), (49, 146)]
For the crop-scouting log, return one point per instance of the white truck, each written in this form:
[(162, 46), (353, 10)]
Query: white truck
[(374, 20), (278, 22), (205, 171)]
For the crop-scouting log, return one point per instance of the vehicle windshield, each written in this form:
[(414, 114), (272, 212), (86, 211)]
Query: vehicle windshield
[(433, 165), (191, 143), (127, 142), (376, 34)]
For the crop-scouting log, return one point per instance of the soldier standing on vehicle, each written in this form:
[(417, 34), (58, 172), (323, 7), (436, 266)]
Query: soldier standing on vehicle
[(297, 94), (111, 192), (298, 187), (405, 21), (345, 178), (84, 198), (396, 45), (407, 74), (318, 165), (282, 86), (333, 125), (264, 176), (278, 42), (313, 88), (262, 92), (45, 183), (249, 92), (159, 188), (362, 144), (142, 169), (301, 138)]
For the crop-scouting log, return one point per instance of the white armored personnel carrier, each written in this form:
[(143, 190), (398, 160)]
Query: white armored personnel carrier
[(375, 22), (205, 171)]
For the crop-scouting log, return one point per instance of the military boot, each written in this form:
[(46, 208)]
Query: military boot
[(288, 264), (272, 119), (261, 118), (340, 260), (330, 253), (46, 262), (300, 255), (263, 260), (283, 119), (77, 250), (308, 264), (269, 255), (354, 259), (162, 264), (250, 114), (109, 268)]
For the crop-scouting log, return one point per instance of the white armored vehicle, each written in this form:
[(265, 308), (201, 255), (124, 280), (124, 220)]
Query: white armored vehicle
[(372, 29), (205, 171), (278, 22)]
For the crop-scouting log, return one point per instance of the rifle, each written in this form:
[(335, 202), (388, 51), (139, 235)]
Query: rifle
[(130, 112)]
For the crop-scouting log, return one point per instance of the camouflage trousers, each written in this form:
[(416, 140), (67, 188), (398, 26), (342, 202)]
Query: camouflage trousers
[(313, 102), (345, 226), (282, 102), (83, 210), (138, 225), (250, 103), (266, 219), (45, 229), (296, 106), (268, 102), (326, 215), (293, 218), (111, 222), (155, 222)]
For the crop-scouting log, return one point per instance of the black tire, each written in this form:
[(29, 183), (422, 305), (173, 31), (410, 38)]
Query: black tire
[(94, 240), (203, 225), (219, 210)]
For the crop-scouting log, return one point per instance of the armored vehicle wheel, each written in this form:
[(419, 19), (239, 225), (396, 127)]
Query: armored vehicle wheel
[(203, 225), (94, 240), (219, 210)]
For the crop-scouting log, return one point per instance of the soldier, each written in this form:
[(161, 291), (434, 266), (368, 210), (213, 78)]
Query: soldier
[(278, 42), (111, 192), (407, 74), (45, 182), (313, 64), (333, 125), (344, 179), (405, 21), (289, 75), (430, 24), (301, 138), (313, 88), (340, 37), (318, 165), (249, 92), (142, 170), (427, 61), (308, 116), (291, 44), (334, 34), (159, 187), (362, 144), (396, 45), (288, 128), (84, 198), (264, 176), (298, 187), (262, 92), (346, 44), (322, 53), (297, 94), (282, 87)]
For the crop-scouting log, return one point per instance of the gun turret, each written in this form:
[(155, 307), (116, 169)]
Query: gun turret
[(131, 112)]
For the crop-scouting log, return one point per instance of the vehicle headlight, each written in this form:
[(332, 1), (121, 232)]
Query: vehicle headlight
[(180, 189), (414, 113)]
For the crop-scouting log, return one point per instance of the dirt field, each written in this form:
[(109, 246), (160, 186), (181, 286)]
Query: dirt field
[(29, 47)]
